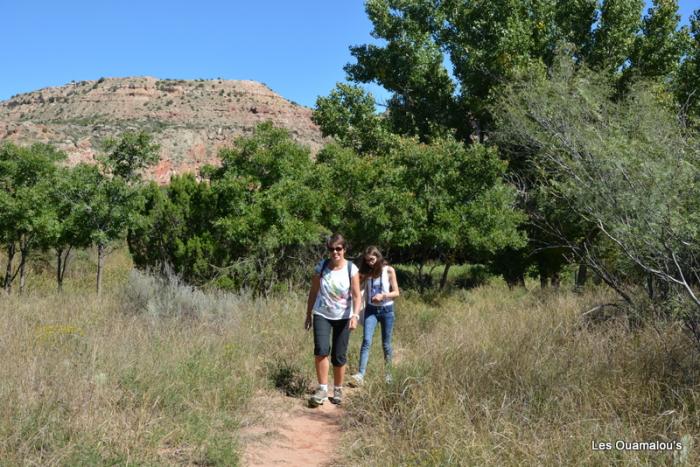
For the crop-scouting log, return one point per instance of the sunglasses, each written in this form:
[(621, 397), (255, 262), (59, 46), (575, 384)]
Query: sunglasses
[(335, 248)]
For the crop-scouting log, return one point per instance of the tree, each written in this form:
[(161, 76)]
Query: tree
[(576, 19), (687, 84), (104, 210), (445, 61), (411, 66), (349, 116), (343, 176), (657, 50), (421, 202), (128, 155), (69, 191), (178, 231), (273, 217), (626, 167), (486, 44), (615, 35), (26, 215), (462, 209), (113, 190), (250, 223)]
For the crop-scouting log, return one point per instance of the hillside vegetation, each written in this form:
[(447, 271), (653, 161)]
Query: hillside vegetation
[(190, 119)]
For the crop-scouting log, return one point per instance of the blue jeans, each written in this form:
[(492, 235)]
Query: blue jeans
[(384, 315)]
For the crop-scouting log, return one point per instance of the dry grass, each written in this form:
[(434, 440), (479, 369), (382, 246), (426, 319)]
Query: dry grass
[(498, 377), (156, 373), (152, 373)]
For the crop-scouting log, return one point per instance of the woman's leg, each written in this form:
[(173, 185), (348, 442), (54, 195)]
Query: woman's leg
[(368, 333), (322, 369), (339, 352), (387, 323), (322, 337)]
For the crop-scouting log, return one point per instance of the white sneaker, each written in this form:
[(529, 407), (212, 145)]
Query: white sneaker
[(337, 398), (356, 380), (319, 397), (388, 378)]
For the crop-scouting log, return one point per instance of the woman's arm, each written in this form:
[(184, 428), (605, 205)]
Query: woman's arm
[(313, 292), (356, 300), (394, 284), (363, 288)]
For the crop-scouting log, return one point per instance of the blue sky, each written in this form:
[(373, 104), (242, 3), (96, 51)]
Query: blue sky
[(298, 48)]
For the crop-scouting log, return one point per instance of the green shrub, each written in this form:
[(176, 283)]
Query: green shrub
[(288, 377)]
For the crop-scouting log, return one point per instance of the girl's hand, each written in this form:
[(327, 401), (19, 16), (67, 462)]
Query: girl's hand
[(307, 323), (378, 298), (352, 324)]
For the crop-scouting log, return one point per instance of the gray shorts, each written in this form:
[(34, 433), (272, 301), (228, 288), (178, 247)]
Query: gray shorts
[(340, 331)]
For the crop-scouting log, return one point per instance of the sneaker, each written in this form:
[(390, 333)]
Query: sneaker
[(356, 380), (337, 398), (319, 397), (388, 378)]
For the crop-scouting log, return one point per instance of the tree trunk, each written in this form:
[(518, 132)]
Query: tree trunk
[(7, 282), (420, 276), (556, 280), (100, 265), (59, 268), (481, 132), (581, 275), (543, 280), (514, 279), (443, 280), (22, 270), (61, 265)]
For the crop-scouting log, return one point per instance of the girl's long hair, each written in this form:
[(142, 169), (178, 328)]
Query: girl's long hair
[(365, 269)]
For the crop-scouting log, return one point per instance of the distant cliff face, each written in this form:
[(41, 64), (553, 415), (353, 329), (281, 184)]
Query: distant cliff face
[(190, 120)]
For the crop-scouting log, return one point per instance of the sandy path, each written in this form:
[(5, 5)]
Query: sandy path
[(286, 432), (283, 430)]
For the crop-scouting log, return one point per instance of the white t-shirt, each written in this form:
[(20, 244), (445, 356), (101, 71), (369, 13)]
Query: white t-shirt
[(334, 296)]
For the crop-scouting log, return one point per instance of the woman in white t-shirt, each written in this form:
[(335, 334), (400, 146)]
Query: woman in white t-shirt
[(381, 288), (333, 310)]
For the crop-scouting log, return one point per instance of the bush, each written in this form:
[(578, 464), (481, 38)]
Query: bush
[(289, 378), (168, 296), (630, 169)]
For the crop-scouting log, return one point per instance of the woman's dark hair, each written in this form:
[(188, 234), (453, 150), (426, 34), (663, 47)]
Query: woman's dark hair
[(335, 239), (378, 265)]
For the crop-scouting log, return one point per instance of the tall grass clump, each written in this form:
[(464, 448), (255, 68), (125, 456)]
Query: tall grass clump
[(168, 296), (498, 377), (154, 372)]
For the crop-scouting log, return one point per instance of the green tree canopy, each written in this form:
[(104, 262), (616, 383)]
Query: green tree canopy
[(440, 201), (441, 60), (687, 86), (348, 115), (249, 224), (627, 167), (125, 157), (27, 218)]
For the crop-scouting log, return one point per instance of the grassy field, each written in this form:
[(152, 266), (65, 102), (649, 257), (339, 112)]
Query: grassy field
[(151, 373), (156, 373), (499, 377)]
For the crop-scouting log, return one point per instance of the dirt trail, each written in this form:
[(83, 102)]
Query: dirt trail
[(286, 432)]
